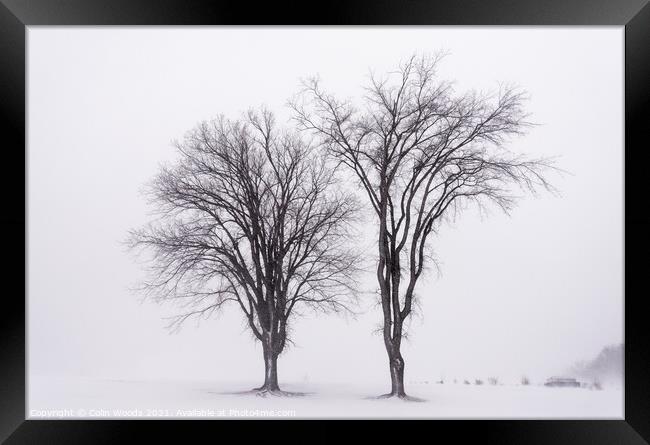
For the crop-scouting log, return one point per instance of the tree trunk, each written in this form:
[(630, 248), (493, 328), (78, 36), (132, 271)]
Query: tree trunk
[(270, 370), (396, 366)]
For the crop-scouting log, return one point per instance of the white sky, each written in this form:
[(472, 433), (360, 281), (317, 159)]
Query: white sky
[(526, 294)]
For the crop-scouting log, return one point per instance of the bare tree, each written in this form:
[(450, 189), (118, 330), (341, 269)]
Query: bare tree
[(420, 152), (253, 216)]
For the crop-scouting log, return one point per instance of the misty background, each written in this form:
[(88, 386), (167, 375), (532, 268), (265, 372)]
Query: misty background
[(531, 294)]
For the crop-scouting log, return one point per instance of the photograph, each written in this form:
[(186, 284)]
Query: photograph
[(325, 222)]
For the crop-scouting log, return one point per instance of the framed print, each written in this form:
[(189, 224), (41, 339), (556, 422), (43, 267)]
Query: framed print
[(383, 213)]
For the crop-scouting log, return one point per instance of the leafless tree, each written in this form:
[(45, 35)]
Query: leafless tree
[(250, 215), (421, 152)]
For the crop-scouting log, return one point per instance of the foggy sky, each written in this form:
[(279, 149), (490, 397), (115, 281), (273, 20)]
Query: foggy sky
[(529, 293)]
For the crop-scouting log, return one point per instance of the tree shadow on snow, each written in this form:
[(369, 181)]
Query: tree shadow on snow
[(263, 393), (405, 398)]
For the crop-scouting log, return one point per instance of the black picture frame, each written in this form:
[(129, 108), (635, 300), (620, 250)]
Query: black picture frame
[(16, 15)]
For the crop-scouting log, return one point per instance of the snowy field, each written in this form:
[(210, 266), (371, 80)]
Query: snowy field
[(85, 398)]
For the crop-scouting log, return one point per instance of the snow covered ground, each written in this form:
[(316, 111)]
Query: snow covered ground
[(85, 398)]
